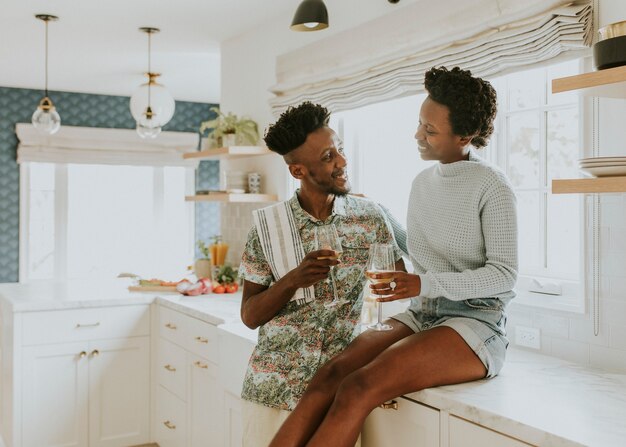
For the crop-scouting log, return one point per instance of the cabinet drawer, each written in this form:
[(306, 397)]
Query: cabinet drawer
[(171, 368), (59, 326), (468, 434), (172, 326), (410, 425), (194, 335), (171, 420), (202, 339)]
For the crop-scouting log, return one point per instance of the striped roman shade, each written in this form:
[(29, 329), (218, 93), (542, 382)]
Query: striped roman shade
[(387, 58)]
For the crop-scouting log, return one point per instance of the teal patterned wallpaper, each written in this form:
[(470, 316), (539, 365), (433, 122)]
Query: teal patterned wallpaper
[(81, 109)]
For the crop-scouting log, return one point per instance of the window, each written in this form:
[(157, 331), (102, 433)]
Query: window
[(94, 221), (537, 138)]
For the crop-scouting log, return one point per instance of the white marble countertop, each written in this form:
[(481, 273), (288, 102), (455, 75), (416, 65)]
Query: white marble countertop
[(541, 400), (213, 308), (47, 295)]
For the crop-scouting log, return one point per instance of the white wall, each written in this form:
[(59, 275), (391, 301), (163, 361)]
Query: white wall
[(248, 71)]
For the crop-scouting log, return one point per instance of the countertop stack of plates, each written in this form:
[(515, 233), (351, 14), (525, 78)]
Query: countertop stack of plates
[(603, 166)]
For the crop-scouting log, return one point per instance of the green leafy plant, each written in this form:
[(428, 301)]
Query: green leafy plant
[(246, 129), (204, 249), (226, 275)]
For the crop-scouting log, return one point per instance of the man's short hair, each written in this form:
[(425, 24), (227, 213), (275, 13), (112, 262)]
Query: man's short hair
[(294, 125)]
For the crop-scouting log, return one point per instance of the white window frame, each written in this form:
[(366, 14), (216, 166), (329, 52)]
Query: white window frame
[(572, 298), (60, 216)]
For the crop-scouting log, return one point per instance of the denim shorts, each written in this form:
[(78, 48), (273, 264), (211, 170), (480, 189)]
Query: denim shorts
[(480, 322)]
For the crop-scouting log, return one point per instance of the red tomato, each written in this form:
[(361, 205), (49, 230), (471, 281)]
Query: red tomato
[(231, 288), (219, 289)]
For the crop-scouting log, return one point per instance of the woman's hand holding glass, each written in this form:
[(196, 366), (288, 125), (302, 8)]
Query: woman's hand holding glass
[(404, 285)]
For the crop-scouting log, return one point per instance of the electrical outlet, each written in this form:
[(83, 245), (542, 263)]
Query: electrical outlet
[(529, 337)]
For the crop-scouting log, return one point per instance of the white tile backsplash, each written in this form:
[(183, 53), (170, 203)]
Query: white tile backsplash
[(571, 336), (236, 223)]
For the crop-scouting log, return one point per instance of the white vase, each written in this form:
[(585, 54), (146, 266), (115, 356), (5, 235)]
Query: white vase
[(229, 139), (202, 268)]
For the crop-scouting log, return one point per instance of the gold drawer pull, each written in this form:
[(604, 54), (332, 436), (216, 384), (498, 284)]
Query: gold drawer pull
[(202, 340), (169, 368), (82, 354), (171, 326), (391, 405), (169, 425), (78, 325), (199, 364), (95, 353)]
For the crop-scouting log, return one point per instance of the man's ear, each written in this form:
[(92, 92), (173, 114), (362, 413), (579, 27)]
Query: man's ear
[(464, 141), (296, 170)]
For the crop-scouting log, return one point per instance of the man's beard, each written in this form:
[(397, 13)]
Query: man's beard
[(337, 191)]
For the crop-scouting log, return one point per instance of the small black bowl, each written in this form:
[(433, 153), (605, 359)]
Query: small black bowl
[(610, 53)]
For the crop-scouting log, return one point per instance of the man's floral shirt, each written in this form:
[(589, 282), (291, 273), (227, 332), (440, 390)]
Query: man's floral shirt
[(301, 338)]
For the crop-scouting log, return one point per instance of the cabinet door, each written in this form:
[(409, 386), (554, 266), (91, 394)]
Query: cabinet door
[(119, 392), (410, 425), (171, 420), (233, 426), (468, 434), (55, 380), (205, 404)]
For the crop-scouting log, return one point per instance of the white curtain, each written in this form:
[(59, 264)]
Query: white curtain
[(387, 58), (104, 146)]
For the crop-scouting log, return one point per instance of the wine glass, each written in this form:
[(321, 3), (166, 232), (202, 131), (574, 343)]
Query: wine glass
[(326, 238), (380, 269)]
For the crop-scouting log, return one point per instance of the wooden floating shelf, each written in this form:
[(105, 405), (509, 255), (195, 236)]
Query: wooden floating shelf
[(589, 185), (233, 198), (228, 152), (609, 83)]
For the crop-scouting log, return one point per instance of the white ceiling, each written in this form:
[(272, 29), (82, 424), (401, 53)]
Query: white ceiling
[(96, 47)]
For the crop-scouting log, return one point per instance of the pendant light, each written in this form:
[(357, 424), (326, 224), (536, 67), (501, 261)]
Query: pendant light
[(152, 106), (311, 15), (46, 119)]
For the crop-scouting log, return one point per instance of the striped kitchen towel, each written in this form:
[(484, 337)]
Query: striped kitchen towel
[(281, 244)]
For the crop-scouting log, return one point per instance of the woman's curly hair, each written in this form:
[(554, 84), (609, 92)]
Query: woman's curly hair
[(293, 126), (472, 102)]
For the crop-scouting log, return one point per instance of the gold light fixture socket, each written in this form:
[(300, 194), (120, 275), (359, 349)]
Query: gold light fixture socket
[(46, 104)]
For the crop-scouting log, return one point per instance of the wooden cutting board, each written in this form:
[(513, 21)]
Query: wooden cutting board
[(152, 288)]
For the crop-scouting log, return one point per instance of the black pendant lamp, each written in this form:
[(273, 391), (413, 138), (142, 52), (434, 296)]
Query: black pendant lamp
[(311, 15)]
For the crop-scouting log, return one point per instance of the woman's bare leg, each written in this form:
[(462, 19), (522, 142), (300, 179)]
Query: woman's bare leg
[(435, 357), (319, 395)]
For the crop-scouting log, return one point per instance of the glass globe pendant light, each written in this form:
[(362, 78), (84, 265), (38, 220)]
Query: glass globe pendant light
[(152, 106), (46, 119)]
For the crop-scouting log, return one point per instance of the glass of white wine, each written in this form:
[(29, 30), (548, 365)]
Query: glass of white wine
[(380, 269), (327, 238)]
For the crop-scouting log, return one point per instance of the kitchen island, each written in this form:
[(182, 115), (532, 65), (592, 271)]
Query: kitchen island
[(70, 330)]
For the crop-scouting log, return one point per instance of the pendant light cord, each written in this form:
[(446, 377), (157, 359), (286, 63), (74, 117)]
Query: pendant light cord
[(149, 67), (46, 71)]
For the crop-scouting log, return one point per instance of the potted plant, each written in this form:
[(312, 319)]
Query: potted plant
[(228, 129), (202, 266)]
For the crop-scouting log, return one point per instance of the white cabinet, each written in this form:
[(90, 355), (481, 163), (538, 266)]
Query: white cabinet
[(55, 397), (468, 434), (205, 403), (235, 343), (78, 377), (404, 424), (189, 403), (233, 428), (119, 392)]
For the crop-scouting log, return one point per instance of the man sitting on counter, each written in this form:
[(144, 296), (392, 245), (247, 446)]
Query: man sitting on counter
[(290, 292)]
